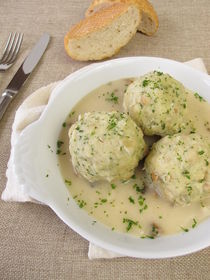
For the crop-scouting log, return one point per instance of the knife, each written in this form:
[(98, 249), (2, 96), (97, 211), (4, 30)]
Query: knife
[(23, 72)]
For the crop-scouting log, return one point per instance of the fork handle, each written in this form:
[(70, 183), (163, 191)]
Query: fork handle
[(5, 100)]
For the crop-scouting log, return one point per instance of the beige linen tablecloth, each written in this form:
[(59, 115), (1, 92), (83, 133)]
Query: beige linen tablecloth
[(35, 244)]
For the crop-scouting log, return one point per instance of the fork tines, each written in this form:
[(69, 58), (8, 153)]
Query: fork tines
[(12, 48)]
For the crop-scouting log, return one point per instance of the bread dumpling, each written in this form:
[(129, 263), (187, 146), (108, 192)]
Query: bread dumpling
[(178, 168), (105, 146), (157, 103)]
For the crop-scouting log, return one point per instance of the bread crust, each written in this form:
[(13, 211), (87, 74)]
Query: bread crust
[(144, 6), (93, 24), (97, 21)]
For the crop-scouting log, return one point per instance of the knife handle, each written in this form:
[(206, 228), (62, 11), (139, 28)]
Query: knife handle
[(5, 100)]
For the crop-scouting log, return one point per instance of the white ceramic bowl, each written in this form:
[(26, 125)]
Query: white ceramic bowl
[(33, 160)]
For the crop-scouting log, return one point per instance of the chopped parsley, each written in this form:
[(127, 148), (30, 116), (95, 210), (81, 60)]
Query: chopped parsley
[(189, 189), (141, 200), (81, 203), (155, 230), (202, 205), (113, 186), (112, 98), (71, 114), (159, 73), (142, 204), (112, 124), (179, 157), (201, 180), (145, 82), (184, 229), (163, 126), (199, 97), (201, 152), (186, 174), (131, 199), (139, 189), (49, 147), (147, 236), (64, 124), (130, 223), (68, 182), (59, 143), (194, 223)]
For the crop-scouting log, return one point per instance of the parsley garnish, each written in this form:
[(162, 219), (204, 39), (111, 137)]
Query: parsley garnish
[(194, 223), (112, 124), (159, 73), (189, 189), (145, 83), (139, 189), (59, 143), (113, 186), (163, 126), (155, 231), (49, 147), (184, 229), (199, 97), (113, 121), (68, 182), (186, 174), (130, 223), (142, 204), (71, 114), (81, 203), (112, 98), (131, 199)]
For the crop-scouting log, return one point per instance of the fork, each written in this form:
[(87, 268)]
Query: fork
[(11, 50)]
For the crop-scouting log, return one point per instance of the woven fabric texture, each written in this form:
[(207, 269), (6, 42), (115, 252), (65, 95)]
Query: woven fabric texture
[(35, 243)]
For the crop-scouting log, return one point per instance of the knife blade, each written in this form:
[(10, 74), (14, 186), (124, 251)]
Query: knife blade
[(23, 72)]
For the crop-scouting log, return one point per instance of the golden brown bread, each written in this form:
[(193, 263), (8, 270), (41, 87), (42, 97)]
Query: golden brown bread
[(149, 19), (102, 34)]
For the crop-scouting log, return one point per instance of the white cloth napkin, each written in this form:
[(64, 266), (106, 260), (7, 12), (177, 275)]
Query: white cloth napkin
[(28, 112)]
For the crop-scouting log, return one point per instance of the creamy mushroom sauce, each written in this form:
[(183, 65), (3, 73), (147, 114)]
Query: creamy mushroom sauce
[(128, 206)]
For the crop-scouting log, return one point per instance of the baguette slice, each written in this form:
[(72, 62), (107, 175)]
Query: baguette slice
[(102, 34), (149, 19)]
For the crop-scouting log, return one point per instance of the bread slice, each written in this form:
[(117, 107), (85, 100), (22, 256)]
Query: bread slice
[(149, 19), (102, 34)]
